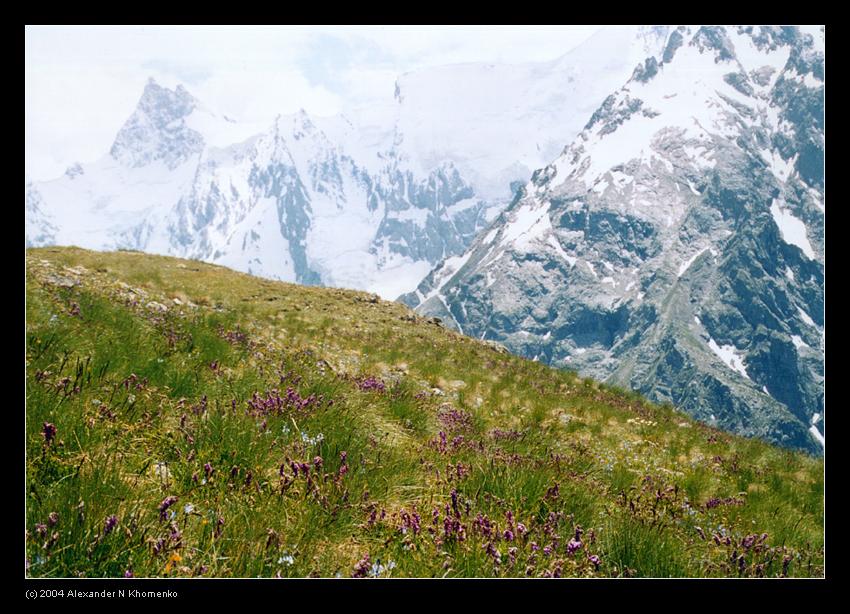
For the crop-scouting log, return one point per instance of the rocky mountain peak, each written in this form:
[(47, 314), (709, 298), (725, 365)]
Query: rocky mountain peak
[(158, 129), (676, 245)]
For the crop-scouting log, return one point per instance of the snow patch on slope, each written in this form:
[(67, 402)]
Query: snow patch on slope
[(816, 434), (551, 240), (798, 342), (687, 264), (793, 230), (730, 356), (806, 317)]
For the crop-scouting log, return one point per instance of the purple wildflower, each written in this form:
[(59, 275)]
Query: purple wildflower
[(371, 383), (208, 469), (128, 574), (715, 502), (200, 408), (275, 404), (53, 519), (361, 568), (482, 525), (493, 552), (454, 419), (594, 560), (111, 522), (343, 467), (234, 337), (166, 503), (49, 432), (461, 471), (573, 546)]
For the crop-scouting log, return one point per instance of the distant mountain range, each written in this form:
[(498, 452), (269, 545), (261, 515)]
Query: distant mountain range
[(372, 200)]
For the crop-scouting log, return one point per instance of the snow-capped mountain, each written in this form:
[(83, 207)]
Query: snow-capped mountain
[(289, 203), (676, 246), (499, 122), (369, 200), (153, 161)]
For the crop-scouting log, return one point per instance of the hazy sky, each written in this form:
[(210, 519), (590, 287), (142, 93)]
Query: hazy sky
[(82, 83)]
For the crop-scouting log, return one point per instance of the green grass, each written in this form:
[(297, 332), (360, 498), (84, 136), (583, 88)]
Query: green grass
[(149, 404), (635, 549)]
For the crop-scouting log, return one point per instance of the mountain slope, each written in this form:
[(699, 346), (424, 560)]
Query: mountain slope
[(184, 420), (676, 246)]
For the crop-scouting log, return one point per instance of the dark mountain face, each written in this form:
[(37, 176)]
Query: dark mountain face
[(676, 246)]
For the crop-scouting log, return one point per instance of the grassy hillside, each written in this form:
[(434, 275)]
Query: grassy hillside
[(187, 420)]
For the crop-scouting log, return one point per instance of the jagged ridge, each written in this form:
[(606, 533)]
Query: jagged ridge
[(676, 246)]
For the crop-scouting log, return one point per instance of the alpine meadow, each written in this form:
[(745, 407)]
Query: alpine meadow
[(425, 302)]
